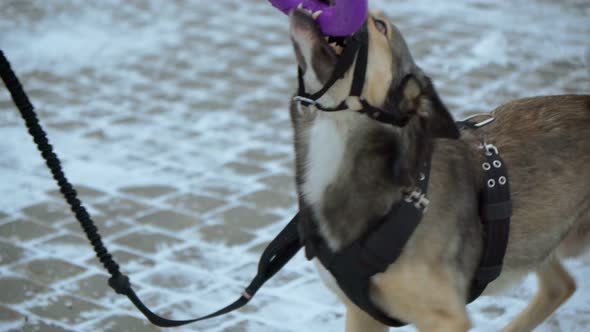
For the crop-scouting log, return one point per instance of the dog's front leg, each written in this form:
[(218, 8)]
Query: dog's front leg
[(359, 321)]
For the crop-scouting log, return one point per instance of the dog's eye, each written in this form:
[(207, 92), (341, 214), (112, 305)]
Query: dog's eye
[(381, 26)]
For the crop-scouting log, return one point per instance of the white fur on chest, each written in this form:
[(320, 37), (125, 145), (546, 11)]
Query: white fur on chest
[(327, 139)]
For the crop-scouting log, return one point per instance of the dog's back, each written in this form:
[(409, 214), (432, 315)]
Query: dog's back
[(545, 142)]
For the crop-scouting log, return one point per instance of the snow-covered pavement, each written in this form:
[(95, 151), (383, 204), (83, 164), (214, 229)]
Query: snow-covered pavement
[(172, 118)]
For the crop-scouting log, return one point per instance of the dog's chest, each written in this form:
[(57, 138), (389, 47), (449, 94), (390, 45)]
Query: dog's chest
[(327, 139)]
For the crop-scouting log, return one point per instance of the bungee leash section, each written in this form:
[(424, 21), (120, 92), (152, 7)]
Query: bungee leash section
[(274, 257)]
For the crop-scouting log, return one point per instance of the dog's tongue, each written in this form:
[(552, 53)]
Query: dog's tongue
[(342, 19)]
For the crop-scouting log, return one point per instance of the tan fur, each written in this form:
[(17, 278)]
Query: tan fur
[(379, 74), (544, 141)]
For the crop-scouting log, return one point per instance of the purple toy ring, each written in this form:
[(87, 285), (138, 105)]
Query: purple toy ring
[(343, 18)]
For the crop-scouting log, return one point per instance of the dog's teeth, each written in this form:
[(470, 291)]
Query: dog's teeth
[(300, 6), (316, 14)]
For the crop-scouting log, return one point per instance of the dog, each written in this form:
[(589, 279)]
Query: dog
[(350, 169)]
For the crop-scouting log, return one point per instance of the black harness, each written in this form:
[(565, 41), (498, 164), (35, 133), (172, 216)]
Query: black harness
[(354, 265)]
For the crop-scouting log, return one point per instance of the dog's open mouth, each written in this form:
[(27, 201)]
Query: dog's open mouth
[(313, 49)]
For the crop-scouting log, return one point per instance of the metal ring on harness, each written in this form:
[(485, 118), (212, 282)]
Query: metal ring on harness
[(305, 100), (490, 119)]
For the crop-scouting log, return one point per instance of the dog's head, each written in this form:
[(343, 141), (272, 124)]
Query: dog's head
[(392, 80)]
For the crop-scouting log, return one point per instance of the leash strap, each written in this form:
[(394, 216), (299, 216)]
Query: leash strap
[(274, 257)]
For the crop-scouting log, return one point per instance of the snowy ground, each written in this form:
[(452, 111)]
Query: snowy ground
[(172, 116)]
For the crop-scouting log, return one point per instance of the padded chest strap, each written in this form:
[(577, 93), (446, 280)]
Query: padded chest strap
[(495, 212), (353, 266)]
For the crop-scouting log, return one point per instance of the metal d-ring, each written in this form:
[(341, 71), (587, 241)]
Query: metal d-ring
[(490, 118), (489, 148), (304, 100)]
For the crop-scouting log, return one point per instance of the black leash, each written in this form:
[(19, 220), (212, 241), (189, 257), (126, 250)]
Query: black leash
[(274, 257)]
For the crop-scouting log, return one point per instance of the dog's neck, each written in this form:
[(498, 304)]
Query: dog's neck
[(354, 169)]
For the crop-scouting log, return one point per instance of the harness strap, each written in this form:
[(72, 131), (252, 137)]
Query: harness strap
[(495, 213), (374, 252), (274, 257), (357, 47), (344, 63), (354, 265), (360, 70), (403, 219)]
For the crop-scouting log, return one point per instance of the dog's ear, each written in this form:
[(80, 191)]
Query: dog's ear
[(419, 97)]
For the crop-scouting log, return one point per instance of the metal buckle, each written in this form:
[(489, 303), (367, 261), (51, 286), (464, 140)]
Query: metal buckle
[(418, 199), (490, 149), (305, 100), (413, 196), (490, 119), (422, 203)]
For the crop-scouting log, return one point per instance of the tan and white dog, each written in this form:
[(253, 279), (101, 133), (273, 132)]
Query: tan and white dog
[(345, 177)]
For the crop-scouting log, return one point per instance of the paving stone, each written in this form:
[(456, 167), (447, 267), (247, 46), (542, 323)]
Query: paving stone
[(280, 182), (258, 248), (147, 241), (199, 258), (67, 309), (230, 236), (66, 125), (148, 191), (9, 315), (48, 271), (179, 279), (247, 326), (122, 323), (106, 226), (23, 230), (116, 208), (247, 218), (243, 169), (289, 165), (267, 199), (170, 220), (150, 298), (243, 274), (40, 326), (48, 212), (128, 262), (9, 253), (66, 245), (197, 203), (18, 290), (93, 287), (131, 262), (223, 190), (84, 193), (260, 155)]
